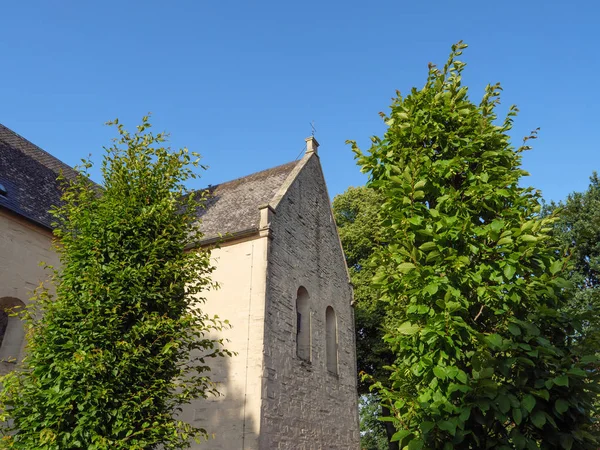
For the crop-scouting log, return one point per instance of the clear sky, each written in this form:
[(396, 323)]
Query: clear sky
[(241, 81)]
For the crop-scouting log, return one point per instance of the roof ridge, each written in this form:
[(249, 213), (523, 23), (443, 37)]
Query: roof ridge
[(270, 169)]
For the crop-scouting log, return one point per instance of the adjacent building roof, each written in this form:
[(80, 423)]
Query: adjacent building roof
[(28, 174), (29, 177), (233, 207)]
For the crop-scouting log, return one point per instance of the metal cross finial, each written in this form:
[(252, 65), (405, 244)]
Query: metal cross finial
[(312, 127)]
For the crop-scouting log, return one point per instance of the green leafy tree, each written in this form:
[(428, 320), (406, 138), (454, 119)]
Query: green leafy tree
[(124, 343), (372, 431), (484, 355), (578, 230), (356, 213)]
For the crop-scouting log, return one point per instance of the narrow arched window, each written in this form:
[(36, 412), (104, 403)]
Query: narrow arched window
[(303, 339), (331, 338), (12, 332)]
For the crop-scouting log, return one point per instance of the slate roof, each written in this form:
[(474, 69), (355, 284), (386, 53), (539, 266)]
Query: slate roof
[(233, 207), (29, 174)]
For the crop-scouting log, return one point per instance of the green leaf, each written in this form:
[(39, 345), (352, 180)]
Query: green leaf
[(452, 306), (542, 393), (519, 440), (415, 444), (528, 238), (561, 405), (440, 372), (504, 241), (465, 414), (514, 329), (399, 435), (428, 246), (494, 340), (167, 347), (423, 309), (503, 403), (528, 402), (497, 225), (562, 380), (509, 271), (539, 419), (517, 415), (431, 289), (420, 184), (408, 328), (556, 266), (427, 426), (447, 425), (576, 371), (405, 267), (433, 255)]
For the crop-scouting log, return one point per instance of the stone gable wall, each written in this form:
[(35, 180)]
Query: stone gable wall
[(305, 406)]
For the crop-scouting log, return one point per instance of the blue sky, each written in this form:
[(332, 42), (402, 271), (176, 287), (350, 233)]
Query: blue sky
[(240, 81)]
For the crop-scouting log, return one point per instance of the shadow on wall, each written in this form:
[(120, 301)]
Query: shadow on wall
[(227, 418), (232, 417)]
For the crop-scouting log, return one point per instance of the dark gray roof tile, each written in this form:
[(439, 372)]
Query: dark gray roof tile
[(29, 175), (233, 207)]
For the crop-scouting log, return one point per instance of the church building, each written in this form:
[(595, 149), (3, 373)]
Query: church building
[(284, 287)]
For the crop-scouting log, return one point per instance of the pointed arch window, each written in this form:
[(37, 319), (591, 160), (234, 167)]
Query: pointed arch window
[(331, 338), (303, 325)]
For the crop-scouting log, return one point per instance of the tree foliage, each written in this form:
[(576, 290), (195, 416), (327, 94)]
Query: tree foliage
[(473, 283), (356, 212), (124, 343), (372, 430), (578, 230)]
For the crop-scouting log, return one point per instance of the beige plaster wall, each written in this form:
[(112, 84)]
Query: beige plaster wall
[(234, 418), (23, 245)]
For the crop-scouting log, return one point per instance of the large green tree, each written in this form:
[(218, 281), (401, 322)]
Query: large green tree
[(578, 230), (123, 343), (485, 356)]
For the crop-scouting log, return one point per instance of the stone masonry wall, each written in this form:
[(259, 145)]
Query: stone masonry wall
[(304, 405)]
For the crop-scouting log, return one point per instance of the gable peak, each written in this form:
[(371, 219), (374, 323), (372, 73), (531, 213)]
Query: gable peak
[(311, 145)]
